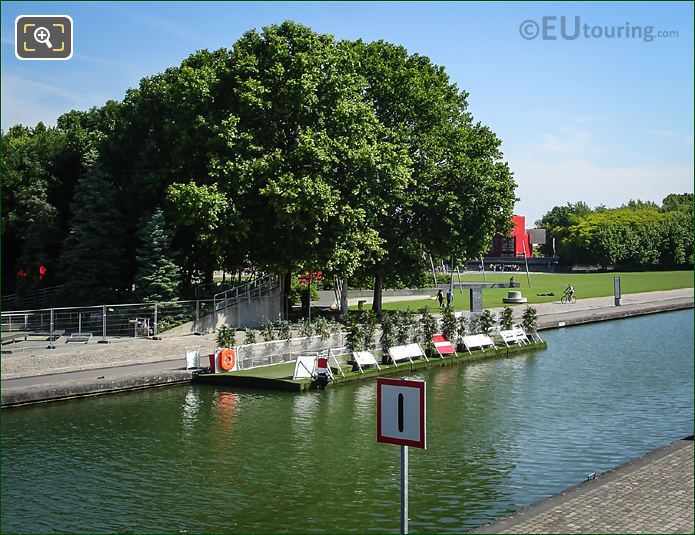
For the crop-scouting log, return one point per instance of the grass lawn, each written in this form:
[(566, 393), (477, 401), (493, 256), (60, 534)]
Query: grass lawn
[(585, 285), (275, 371)]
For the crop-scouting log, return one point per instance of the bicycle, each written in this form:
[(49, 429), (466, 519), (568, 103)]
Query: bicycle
[(568, 299)]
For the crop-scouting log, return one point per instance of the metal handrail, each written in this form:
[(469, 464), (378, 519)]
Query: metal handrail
[(245, 292)]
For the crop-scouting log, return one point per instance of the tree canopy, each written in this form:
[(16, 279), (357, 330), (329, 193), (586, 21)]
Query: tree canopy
[(290, 151), (637, 235)]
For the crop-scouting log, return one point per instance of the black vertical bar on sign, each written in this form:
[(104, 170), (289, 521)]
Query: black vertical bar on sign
[(400, 413)]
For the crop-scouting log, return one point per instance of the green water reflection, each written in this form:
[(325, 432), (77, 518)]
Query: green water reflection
[(501, 435)]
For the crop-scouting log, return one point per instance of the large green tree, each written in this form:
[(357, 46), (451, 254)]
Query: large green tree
[(290, 151), (557, 221), (203, 218), (158, 277), (92, 260), (304, 151), (456, 192)]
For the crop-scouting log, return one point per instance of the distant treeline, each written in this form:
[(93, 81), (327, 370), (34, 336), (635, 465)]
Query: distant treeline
[(637, 235)]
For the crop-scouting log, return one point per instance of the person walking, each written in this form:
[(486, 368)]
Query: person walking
[(440, 297), (449, 297)]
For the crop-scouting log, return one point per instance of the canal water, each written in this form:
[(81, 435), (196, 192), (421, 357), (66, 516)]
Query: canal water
[(501, 434)]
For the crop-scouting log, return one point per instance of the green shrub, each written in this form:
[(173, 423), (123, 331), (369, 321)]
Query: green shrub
[(250, 337), (322, 328), (506, 319), (530, 320), (449, 324), (284, 329), (306, 328), (388, 338), (267, 330), (354, 341), (486, 321), (296, 290), (461, 328), (226, 336), (473, 325), (428, 328), (370, 322), (404, 326)]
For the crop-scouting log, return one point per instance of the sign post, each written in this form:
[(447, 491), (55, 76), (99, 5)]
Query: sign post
[(400, 419), (617, 292)]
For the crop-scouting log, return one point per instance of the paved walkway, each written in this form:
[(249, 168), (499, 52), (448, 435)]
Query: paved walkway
[(121, 352), (129, 351), (51, 369), (651, 494)]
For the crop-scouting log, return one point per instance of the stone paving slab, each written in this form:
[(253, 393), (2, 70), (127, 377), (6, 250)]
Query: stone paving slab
[(124, 352), (650, 494)]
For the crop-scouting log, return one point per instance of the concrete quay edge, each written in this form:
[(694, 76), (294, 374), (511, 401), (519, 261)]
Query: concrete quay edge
[(12, 397)]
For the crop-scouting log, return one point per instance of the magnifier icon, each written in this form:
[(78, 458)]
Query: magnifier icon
[(42, 35)]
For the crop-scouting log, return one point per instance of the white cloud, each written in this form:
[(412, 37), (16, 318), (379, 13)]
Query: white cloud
[(27, 101), (662, 133), (158, 23), (568, 141)]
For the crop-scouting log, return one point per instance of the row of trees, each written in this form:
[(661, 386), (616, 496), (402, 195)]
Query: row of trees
[(637, 235), (289, 152)]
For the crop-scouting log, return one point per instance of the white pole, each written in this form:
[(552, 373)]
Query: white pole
[(50, 337), (433, 274), (103, 324), (155, 322), (528, 278), (404, 490), (459, 277)]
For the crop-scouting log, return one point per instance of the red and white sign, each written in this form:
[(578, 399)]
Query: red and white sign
[(400, 412)]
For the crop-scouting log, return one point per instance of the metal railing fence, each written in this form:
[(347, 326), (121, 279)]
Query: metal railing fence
[(280, 351), (33, 328), (254, 288)]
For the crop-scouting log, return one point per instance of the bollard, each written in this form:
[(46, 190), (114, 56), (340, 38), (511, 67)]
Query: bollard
[(155, 322), (103, 326), (50, 334)]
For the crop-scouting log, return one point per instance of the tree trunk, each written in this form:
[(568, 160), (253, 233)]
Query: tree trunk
[(344, 297), (378, 292), (286, 288)]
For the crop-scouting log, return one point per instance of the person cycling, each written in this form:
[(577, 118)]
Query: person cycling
[(569, 292)]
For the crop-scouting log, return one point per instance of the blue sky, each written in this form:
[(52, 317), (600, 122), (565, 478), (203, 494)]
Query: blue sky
[(593, 119)]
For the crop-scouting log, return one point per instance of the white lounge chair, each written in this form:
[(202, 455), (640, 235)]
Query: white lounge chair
[(407, 352), (364, 358), (479, 341)]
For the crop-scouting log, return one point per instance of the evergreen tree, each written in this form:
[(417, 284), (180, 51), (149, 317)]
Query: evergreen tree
[(158, 276), (92, 261)]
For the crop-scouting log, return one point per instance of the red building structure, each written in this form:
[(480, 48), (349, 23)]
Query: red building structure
[(512, 246)]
